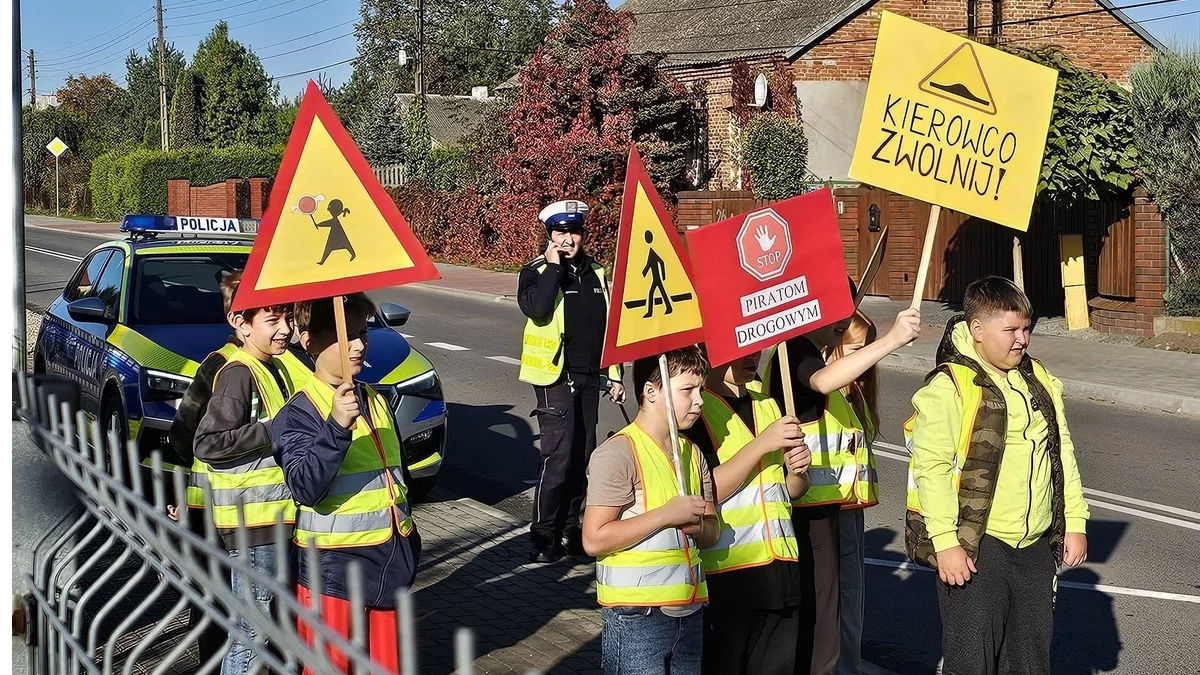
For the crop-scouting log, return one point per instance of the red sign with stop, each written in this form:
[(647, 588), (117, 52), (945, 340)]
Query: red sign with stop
[(769, 275)]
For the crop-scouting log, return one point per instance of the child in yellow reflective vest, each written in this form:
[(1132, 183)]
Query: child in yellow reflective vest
[(337, 444), (995, 500), (759, 462), (645, 534), (836, 477), (234, 439)]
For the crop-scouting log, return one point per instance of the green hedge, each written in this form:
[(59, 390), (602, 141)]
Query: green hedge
[(137, 182)]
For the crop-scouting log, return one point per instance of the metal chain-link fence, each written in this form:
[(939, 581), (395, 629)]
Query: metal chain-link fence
[(120, 586), (1183, 271)]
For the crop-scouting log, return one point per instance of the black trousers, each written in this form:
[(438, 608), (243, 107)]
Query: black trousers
[(817, 533), (1002, 620), (567, 413), (750, 641)]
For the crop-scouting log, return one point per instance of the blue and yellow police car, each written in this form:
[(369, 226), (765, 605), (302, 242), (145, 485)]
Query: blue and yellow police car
[(140, 314)]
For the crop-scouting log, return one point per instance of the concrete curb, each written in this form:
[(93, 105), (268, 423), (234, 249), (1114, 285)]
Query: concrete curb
[(1176, 404)]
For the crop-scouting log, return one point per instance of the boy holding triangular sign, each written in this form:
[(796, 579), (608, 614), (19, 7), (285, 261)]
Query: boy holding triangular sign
[(336, 439), (650, 502)]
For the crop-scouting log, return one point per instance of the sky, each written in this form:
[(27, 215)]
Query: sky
[(296, 39)]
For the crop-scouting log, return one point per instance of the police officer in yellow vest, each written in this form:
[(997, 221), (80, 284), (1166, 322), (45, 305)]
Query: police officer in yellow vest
[(564, 296), (234, 440), (842, 472), (759, 463)]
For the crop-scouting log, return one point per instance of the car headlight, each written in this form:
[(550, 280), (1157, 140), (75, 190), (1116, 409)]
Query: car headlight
[(425, 386), (165, 386)]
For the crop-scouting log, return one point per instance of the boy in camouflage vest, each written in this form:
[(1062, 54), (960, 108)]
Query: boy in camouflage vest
[(995, 500)]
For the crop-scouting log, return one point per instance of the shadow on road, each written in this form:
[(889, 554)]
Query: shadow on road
[(490, 451)]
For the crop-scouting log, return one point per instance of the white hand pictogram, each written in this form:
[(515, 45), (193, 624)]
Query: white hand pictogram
[(764, 238)]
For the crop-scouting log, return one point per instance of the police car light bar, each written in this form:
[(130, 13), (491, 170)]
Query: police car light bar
[(146, 224)]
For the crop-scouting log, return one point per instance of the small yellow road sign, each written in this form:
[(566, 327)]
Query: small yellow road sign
[(57, 147)]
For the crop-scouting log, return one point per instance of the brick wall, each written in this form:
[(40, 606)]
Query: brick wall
[(1136, 316), (234, 198), (1097, 42)]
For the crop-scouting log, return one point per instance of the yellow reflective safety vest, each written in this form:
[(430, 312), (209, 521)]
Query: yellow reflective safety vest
[(256, 481), (368, 500), (756, 521), (843, 467), (295, 375), (971, 395), (542, 354), (663, 569)]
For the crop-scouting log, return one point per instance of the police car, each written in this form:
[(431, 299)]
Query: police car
[(139, 315)]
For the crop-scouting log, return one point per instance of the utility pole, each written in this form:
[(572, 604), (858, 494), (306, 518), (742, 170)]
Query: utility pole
[(32, 81), (20, 336), (420, 76), (162, 82)]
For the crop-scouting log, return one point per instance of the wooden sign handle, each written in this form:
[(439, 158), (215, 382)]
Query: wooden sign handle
[(1018, 264), (935, 213), (674, 426), (339, 319), (785, 377)]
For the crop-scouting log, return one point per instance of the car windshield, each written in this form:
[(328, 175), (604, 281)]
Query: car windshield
[(182, 289), (187, 289)]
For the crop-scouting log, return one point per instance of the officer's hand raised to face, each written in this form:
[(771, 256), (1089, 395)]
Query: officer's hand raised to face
[(552, 251), (345, 405)]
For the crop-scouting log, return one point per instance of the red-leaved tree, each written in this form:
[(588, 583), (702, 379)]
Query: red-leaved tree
[(582, 100)]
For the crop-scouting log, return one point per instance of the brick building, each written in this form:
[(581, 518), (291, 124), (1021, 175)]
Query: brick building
[(827, 45), (825, 48)]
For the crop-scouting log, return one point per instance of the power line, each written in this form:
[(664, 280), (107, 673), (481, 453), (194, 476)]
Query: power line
[(234, 16), (307, 47), (100, 34), (221, 9), (88, 53), (313, 70), (323, 30), (251, 23)]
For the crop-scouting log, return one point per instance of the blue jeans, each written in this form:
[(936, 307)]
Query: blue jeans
[(241, 654), (644, 641)]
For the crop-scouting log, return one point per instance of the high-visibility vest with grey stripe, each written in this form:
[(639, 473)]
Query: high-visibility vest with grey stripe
[(295, 375), (756, 521), (843, 467), (542, 355), (254, 483), (664, 568), (367, 502)]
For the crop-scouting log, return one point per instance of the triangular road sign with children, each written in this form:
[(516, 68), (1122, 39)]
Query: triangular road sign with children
[(330, 228)]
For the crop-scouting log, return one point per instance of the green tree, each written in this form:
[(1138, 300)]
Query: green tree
[(380, 132), (141, 79), (1090, 153), (468, 43), (1166, 127), (184, 125), (777, 156), (102, 107), (237, 99)]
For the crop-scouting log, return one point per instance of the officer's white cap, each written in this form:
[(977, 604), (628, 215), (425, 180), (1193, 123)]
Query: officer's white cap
[(565, 215)]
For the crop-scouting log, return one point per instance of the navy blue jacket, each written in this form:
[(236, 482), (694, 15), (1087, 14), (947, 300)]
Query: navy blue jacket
[(310, 449)]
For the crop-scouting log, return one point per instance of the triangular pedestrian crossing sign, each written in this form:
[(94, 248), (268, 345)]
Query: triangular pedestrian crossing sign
[(960, 79), (330, 228), (654, 308)]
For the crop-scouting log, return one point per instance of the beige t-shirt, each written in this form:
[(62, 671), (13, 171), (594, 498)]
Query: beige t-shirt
[(613, 480)]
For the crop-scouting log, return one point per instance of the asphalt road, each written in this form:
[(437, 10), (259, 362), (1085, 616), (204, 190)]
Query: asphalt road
[(1134, 607)]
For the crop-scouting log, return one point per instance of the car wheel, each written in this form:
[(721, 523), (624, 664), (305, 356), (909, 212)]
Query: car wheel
[(419, 489), (112, 418)]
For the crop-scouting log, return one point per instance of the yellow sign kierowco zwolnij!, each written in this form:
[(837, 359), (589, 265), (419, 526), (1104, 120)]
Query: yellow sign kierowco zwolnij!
[(954, 123), (654, 308)]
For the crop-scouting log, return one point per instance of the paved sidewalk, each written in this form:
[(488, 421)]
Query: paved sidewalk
[(1089, 368), (474, 573)]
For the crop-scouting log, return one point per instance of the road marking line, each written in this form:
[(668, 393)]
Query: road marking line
[(506, 359), (448, 347), (902, 456), (94, 235), (1144, 514), (1075, 585), (406, 336), (53, 254)]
